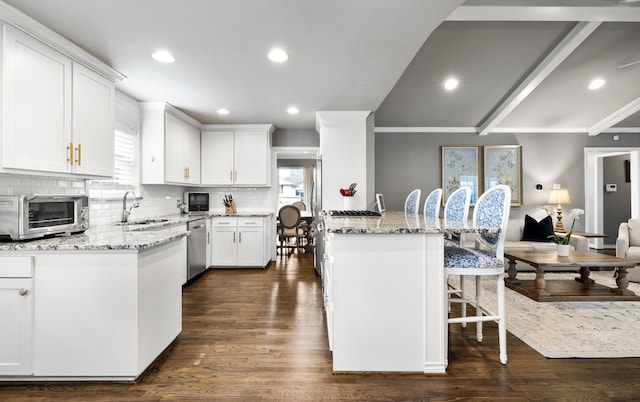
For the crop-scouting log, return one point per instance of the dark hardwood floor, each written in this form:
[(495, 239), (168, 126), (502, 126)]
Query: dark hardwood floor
[(252, 334)]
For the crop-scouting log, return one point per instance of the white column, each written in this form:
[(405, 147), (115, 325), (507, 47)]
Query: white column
[(347, 151)]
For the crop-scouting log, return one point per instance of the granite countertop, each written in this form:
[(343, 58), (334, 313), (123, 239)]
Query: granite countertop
[(392, 222), (130, 236), (98, 238)]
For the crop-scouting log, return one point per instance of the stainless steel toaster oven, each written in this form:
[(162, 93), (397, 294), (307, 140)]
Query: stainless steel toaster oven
[(24, 217)]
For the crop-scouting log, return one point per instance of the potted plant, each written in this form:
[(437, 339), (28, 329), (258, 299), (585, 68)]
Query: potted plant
[(562, 240)]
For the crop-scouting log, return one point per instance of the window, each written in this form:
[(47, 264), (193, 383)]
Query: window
[(126, 167), (291, 182)]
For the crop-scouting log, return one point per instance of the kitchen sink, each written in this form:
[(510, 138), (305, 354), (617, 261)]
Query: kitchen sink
[(142, 222)]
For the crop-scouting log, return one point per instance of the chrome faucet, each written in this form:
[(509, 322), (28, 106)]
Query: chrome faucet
[(125, 212)]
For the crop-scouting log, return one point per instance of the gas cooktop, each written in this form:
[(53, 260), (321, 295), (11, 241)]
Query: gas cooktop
[(353, 212)]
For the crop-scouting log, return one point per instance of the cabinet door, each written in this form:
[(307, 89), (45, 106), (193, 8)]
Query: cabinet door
[(36, 94), (192, 154), (251, 158), (251, 246), (174, 168), (223, 250), (16, 336), (217, 158), (182, 151), (93, 103)]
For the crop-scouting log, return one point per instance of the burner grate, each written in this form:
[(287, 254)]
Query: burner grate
[(353, 212)]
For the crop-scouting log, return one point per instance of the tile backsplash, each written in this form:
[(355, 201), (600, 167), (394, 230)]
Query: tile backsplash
[(156, 200)]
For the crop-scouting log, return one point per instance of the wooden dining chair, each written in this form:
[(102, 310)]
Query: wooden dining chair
[(289, 229), (485, 259), (300, 205)]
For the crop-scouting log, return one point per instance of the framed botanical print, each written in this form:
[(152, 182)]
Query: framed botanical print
[(503, 165), (460, 168)]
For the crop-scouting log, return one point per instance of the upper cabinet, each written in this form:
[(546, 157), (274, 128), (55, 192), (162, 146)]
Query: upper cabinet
[(57, 114), (236, 155), (170, 145)]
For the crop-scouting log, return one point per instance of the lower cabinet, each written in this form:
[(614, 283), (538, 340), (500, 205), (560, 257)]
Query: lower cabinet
[(16, 316), (97, 315), (238, 242)]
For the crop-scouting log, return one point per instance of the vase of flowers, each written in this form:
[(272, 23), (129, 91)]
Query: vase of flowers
[(561, 239)]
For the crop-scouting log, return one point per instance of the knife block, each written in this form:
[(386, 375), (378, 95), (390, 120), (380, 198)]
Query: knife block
[(231, 209)]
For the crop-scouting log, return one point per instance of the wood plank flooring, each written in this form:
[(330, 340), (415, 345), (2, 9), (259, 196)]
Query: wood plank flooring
[(253, 334)]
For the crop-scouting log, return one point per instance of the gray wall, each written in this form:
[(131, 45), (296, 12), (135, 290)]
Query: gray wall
[(405, 161), (295, 138), (615, 205)]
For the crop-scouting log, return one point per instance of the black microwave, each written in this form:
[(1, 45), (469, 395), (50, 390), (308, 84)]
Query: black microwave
[(196, 202)]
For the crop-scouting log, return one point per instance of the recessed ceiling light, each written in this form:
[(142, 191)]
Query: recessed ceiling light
[(597, 83), (278, 55), (293, 110), (163, 56), (223, 111), (451, 83)]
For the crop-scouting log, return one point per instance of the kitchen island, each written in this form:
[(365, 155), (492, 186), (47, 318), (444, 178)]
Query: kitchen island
[(385, 293), (101, 305)]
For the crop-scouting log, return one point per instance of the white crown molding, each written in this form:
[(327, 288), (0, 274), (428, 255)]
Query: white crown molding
[(517, 13), (506, 130), (464, 130)]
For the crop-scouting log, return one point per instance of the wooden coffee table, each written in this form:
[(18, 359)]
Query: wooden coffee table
[(582, 288)]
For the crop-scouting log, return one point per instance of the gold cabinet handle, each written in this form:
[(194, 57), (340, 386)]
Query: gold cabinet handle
[(70, 157), (79, 155), (188, 173)]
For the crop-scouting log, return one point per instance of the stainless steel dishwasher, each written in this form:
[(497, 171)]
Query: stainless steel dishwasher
[(196, 248)]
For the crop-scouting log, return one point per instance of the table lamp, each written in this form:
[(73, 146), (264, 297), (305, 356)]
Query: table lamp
[(559, 196)]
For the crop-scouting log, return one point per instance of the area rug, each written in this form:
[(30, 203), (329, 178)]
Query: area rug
[(572, 329)]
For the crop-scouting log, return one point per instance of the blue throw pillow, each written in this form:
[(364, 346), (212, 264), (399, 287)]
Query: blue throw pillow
[(537, 230)]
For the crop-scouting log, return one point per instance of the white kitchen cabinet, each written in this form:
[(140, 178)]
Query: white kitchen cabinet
[(251, 252), (170, 145), (106, 314), (238, 242), (236, 155), (92, 122), (16, 316), (57, 113), (223, 241)]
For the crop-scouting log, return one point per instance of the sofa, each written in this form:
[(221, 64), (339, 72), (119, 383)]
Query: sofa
[(514, 241), (628, 245)]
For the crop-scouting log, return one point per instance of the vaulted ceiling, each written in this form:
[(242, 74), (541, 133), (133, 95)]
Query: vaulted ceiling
[(522, 66)]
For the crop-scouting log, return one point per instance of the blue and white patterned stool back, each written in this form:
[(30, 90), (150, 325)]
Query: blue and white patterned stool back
[(456, 210), (492, 211), (432, 204), (412, 202)]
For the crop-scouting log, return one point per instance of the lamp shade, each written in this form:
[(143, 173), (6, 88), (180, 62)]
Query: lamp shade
[(559, 196)]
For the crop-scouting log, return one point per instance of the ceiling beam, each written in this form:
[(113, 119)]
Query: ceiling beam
[(540, 13), (577, 35), (615, 117)]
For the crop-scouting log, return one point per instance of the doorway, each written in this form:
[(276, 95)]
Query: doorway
[(595, 187)]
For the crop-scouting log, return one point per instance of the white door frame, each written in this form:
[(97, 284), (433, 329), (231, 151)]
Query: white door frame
[(594, 188)]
